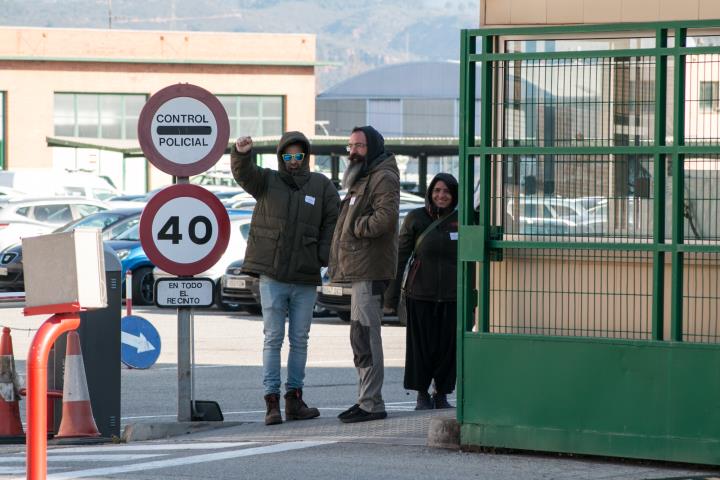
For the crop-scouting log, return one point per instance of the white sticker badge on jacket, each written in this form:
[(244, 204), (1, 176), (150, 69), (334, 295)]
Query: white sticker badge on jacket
[(309, 199), (453, 235), (352, 200)]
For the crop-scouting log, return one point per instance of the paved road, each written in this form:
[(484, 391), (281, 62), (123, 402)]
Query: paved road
[(228, 353)]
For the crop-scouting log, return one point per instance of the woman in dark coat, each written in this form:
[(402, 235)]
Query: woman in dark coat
[(430, 291)]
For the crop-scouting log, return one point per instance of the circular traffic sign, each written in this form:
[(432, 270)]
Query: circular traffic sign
[(140, 342), (183, 130), (184, 229)]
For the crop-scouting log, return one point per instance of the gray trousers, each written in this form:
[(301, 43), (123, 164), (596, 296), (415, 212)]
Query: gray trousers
[(365, 317)]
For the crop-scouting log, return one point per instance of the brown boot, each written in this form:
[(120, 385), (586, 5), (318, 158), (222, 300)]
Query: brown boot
[(296, 409), (272, 417)]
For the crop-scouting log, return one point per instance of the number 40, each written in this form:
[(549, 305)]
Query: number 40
[(171, 230)]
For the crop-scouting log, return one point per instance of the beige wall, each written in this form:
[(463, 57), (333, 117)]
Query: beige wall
[(540, 12), (36, 63), (552, 295)]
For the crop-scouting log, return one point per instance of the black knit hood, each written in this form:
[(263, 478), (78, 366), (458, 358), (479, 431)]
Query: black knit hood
[(452, 185), (375, 147)]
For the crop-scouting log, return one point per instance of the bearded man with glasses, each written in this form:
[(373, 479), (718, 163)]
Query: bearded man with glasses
[(290, 235), (365, 253)]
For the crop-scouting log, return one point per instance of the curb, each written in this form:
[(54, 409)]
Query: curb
[(444, 433), (137, 432)]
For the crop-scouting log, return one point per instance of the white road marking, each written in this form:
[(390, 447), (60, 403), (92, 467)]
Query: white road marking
[(176, 462), (151, 447), (118, 457), (12, 470), (108, 457)]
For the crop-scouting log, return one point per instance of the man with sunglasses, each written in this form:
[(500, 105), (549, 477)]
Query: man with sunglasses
[(290, 235), (365, 253)]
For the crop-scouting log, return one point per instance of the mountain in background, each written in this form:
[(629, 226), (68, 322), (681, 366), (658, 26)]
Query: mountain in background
[(357, 36)]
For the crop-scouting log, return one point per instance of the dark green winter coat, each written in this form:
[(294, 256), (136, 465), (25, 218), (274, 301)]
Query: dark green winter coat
[(294, 218)]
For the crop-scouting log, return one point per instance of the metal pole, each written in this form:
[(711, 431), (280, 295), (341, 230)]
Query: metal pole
[(36, 439), (128, 292), (184, 364)]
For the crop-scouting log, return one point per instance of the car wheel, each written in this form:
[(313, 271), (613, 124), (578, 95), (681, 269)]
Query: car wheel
[(344, 316), (142, 286)]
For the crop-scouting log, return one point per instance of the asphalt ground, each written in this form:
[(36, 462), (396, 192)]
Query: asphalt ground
[(228, 355)]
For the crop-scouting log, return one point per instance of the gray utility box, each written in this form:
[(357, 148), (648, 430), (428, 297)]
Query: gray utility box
[(100, 342)]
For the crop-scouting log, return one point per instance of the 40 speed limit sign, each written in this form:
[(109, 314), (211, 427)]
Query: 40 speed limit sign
[(184, 229)]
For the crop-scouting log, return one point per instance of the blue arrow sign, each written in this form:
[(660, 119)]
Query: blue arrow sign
[(140, 342)]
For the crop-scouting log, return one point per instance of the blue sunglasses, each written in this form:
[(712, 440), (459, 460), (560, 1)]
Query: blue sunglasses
[(293, 156)]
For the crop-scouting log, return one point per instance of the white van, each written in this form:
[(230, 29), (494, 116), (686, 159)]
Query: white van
[(52, 182)]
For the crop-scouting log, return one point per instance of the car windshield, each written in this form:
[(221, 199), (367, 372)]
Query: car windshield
[(131, 234), (96, 220)]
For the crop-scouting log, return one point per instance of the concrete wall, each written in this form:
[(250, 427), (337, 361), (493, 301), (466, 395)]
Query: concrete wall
[(541, 12), (37, 62)]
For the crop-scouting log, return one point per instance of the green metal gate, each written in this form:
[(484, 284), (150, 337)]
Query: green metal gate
[(589, 299)]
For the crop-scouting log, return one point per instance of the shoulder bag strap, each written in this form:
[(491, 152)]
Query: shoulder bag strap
[(429, 229)]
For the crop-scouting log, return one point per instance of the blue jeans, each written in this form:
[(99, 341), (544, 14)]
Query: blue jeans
[(294, 301)]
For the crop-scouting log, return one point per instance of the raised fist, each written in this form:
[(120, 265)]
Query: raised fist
[(243, 144)]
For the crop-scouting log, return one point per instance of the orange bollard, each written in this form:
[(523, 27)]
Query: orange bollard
[(10, 424)]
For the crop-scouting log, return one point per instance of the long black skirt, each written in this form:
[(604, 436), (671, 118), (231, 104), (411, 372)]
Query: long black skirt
[(430, 345)]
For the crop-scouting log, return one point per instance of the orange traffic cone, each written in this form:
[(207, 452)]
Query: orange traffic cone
[(77, 417), (10, 424)]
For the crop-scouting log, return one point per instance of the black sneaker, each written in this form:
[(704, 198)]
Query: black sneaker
[(361, 415), (349, 411)]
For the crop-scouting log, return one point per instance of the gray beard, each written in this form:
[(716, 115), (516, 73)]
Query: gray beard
[(351, 174)]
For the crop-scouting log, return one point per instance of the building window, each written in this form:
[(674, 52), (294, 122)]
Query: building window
[(256, 116), (709, 95), (97, 115)]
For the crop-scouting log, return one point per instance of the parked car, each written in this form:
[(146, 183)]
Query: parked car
[(133, 258), (336, 296), (111, 222), (550, 216), (26, 216), (239, 232), (239, 290), (53, 182)]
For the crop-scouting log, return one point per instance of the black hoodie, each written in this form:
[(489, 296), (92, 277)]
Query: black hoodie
[(433, 276)]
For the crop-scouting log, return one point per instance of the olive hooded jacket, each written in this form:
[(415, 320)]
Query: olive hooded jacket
[(294, 218), (365, 244)]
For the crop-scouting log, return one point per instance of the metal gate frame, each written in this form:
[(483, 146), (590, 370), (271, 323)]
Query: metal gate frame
[(657, 398)]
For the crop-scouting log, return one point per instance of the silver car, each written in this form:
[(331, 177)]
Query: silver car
[(29, 216)]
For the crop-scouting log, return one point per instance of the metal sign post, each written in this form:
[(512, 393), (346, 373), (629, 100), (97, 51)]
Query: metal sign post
[(184, 229)]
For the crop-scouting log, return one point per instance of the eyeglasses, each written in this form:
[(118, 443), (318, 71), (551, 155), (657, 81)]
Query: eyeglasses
[(350, 146), (293, 156)]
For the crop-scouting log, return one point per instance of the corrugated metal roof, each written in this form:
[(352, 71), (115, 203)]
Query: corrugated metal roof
[(404, 80)]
